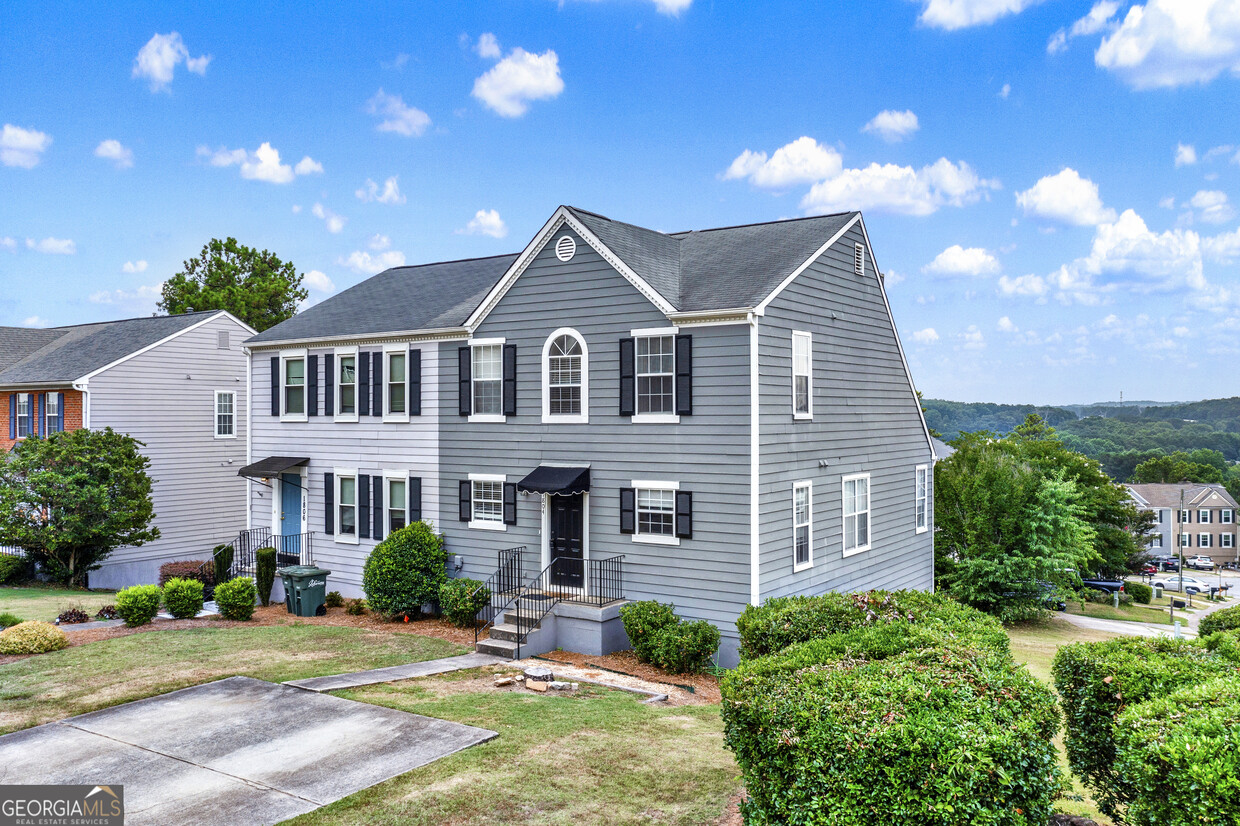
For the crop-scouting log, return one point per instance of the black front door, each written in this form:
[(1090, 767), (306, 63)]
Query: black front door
[(567, 541)]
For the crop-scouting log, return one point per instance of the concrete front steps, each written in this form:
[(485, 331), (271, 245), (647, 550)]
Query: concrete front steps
[(508, 628), (586, 629)]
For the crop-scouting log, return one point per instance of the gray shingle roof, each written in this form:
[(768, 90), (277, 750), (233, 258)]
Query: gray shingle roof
[(18, 342), (68, 353), (1168, 495)]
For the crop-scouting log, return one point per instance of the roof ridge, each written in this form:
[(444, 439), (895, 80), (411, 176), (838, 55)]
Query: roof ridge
[(767, 223), (112, 321), (441, 263)]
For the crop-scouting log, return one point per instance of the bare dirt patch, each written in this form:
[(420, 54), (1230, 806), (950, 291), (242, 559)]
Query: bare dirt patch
[(682, 689)]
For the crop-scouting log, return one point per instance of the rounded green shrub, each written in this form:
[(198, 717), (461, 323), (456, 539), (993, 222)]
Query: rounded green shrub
[(1139, 591), (460, 600), (1225, 644), (183, 597), (685, 647), (1180, 756), (8, 620), (930, 736), (642, 623), (265, 573), (236, 597), (11, 567), (356, 608), (333, 599), (404, 572), (32, 638), (1224, 620), (138, 604)]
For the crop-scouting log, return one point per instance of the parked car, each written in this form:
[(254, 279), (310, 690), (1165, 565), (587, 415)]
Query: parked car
[(1108, 586), (1050, 598), (1167, 563), (1200, 562), (1188, 584)]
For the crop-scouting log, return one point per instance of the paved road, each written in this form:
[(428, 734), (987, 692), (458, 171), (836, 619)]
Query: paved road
[(1188, 626)]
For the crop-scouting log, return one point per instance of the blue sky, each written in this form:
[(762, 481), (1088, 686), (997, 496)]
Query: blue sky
[(1049, 186)]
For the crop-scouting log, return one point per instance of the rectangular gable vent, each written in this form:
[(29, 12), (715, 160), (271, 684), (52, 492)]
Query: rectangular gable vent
[(221, 341), (858, 259)]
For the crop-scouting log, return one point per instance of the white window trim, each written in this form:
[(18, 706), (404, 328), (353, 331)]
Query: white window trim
[(215, 413), (344, 538), (1203, 512), (1186, 517), (32, 416), (809, 341), (486, 525), (869, 502), (1231, 540), (655, 418), (653, 484), (1207, 543), (801, 566), (654, 332), (390, 350), (52, 396), (1158, 516), (293, 355), (1186, 540), (1226, 516), (1156, 541), (345, 352), (494, 418), (924, 497), (396, 476), (579, 418)]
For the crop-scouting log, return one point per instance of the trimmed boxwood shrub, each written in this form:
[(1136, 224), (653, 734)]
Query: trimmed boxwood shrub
[(222, 556), (11, 567), (265, 573), (183, 597), (642, 623), (138, 604), (1180, 756), (460, 600), (1097, 681), (931, 736), (32, 638), (685, 647), (235, 598), (1139, 591), (1224, 620), (404, 572), (783, 621)]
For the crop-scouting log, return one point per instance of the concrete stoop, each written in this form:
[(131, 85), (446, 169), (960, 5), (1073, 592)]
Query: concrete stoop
[(586, 629)]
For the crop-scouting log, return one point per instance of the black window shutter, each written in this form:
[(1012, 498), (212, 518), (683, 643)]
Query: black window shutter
[(510, 503), (628, 509), (378, 496), (415, 499), (684, 514), (329, 385), (414, 376), (363, 384), (628, 378), (510, 380), (684, 375), (363, 506), (466, 499), (463, 365), (275, 385), (376, 384), (329, 503), (312, 385)]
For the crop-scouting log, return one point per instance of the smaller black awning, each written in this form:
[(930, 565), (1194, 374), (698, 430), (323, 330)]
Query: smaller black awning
[(556, 480), (271, 466)]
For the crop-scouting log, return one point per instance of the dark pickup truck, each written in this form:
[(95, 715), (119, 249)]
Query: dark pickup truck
[(1108, 586)]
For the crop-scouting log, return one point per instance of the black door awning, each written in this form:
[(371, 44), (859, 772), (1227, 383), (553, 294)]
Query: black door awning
[(271, 466), (556, 480)]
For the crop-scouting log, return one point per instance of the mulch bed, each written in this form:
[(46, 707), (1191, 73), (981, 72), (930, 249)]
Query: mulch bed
[(702, 686)]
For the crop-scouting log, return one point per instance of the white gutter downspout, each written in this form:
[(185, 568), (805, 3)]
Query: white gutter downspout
[(249, 433), (755, 590), (82, 388)]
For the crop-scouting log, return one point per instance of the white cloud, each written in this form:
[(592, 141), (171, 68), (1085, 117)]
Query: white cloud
[(486, 222), (389, 194), (893, 126), (1167, 203), (158, 59), (899, 189), (508, 86), (1065, 197), (22, 147), (36, 321), (1005, 91), (1185, 155), (112, 150), (1030, 286), (334, 222), (926, 336), (263, 164), (488, 46), (1223, 248), (364, 263), (972, 338), (319, 281), (1212, 206), (672, 8), (1099, 18), (9, 244), (956, 260), (803, 161), (379, 242), (396, 63), (140, 301), (1167, 43), (396, 116), (52, 246), (960, 14), (134, 266), (308, 165), (1006, 325)]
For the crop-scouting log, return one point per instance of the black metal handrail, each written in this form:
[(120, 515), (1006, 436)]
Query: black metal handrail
[(501, 586), (291, 549)]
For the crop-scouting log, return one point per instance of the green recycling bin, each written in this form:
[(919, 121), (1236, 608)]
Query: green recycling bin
[(305, 587)]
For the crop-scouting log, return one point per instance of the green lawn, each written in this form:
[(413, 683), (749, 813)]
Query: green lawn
[(89, 677), (46, 603), (597, 757)]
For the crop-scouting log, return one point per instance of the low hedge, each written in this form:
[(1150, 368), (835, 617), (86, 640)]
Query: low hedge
[(643, 621), (686, 647), (138, 604), (183, 597), (1225, 620), (236, 597), (1139, 591), (784, 621), (1225, 644), (32, 638), (1097, 681), (460, 600), (11, 567), (929, 736), (1180, 756)]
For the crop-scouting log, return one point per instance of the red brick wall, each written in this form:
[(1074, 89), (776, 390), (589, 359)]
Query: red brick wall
[(73, 413)]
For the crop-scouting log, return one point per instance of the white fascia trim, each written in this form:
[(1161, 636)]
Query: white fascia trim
[(655, 539), (545, 369), (712, 318), (651, 484), (653, 332), (487, 477), (755, 555), (435, 334), (165, 340), (215, 413), (761, 308)]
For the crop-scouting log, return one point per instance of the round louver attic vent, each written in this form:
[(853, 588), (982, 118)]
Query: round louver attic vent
[(565, 248)]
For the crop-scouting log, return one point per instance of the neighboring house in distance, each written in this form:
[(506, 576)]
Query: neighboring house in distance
[(707, 418), (1206, 526), (175, 383), (941, 448)]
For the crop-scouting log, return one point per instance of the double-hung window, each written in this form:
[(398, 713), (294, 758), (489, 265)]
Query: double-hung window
[(1203, 540), (922, 498), (487, 502), (346, 506), (25, 415), (656, 375), (1186, 540), (52, 413), (1203, 516), (656, 513), (1158, 516), (856, 514), (397, 502), (1186, 517), (293, 375), (397, 395), (565, 378), (487, 374), (802, 525), (225, 414), (1226, 540), (1226, 516), (802, 375), (1156, 541), (346, 386)]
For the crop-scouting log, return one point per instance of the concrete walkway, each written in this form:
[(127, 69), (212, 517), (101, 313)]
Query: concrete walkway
[(1127, 629), (429, 668)]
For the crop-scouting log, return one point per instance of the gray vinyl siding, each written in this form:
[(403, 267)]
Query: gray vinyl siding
[(165, 398), (707, 577), (865, 420), (369, 445)]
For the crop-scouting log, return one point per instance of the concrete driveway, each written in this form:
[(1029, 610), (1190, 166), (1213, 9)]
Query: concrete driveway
[(237, 751)]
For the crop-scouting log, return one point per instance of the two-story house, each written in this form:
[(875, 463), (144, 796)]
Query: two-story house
[(177, 384), (709, 418), (1199, 518)]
